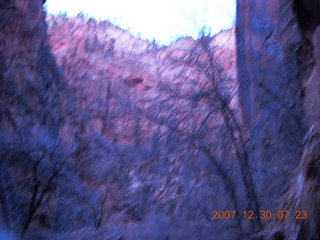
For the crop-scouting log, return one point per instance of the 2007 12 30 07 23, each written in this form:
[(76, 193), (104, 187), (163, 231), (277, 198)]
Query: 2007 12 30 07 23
[(301, 215)]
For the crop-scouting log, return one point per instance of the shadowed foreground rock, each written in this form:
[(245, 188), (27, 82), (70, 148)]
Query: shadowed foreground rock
[(279, 90), (31, 85)]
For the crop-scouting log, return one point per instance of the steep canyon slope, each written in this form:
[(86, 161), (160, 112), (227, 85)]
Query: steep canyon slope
[(124, 148), (153, 113), (279, 96), (107, 136), (30, 117)]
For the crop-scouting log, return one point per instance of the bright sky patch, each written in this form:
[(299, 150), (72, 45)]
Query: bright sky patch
[(164, 20)]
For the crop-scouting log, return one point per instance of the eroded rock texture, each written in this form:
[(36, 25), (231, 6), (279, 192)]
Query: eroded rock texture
[(140, 122), (143, 120), (312, 85), (268, 39), (30, 86), (105, 66), (144, 142), (303, 194), (302, 198), (278, 52)]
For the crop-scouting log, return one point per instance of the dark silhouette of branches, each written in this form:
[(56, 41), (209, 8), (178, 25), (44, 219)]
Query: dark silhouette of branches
[(202, 60), (234, 129), (4, 200), (39, 191), (195, 141), (97, 209)]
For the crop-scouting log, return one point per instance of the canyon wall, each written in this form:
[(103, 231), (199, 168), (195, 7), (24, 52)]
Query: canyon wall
[(104, 64), (111, 136), (144, 120), (271, 95), (29, 113), (278, 86), (125, 147)]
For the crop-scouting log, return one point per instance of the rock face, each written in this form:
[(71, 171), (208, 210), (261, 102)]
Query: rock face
[(304, 189), (29, 112), (103, 64), (137, 123), (148, 142), (30, 80), (143, 120), (312, 85), (302, 198), (278, 50), (271, 92)]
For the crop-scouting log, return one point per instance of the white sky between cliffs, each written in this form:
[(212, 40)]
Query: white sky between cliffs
[(164, 20)]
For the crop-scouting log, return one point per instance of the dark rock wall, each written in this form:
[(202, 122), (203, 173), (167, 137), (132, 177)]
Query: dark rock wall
[(271, 94), (308, 16), (30, 86), (30, 80), (303, 190)]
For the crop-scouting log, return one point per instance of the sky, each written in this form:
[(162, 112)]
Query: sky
[(164, 20)]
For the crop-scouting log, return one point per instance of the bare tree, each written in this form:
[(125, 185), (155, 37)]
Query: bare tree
[(40, 188), (204, 61), (173, 116)]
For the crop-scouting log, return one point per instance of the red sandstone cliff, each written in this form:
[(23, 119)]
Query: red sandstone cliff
[(147, 108), (101, 61)]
